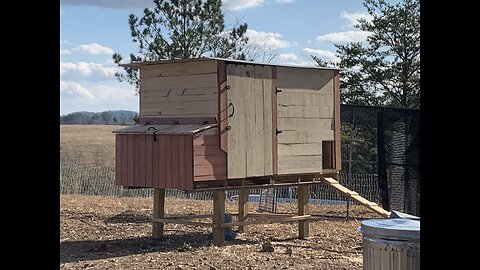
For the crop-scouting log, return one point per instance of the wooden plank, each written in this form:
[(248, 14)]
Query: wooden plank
[(206, 108), (210, 178), (118, 159), (248, 94), (177, 69), (189, 163), (158, 181), (200, 150), (130, 164), (258, 151), (300, 111), (175, 164), (206, 140), (209, 170), (179, 221), (174, 120), (209, 160), (168, 161), (305, 136), (303, 225), (243, 208), (161, 163), (136, 161), (158, 211), (305, 99), (267, 121), (296, 124), (179, 82), (299, 164), (303, 78), (300, 149), (328, 155), (142, 160), (149, 180), (337, 127), (182, 183), (274, 121), (218, 217), (267, 221), (178, 95), (222, 104), (124, 178), (232, 134)]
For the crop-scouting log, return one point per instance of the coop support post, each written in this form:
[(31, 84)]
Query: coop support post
[(218, 217), (303, 225), (158, 211), (243, 208)]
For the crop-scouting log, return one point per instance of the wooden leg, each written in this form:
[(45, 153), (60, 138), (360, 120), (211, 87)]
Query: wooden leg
[(303, 225), (218, 217), (243, 208), (158, 211)]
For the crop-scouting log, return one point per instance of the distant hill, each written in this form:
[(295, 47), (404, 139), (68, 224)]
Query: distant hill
[(120, 117)]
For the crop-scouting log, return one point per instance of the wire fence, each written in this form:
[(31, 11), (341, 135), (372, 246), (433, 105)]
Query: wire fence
[(79, 177)]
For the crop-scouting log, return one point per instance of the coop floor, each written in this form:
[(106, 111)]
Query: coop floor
[(114, 233)]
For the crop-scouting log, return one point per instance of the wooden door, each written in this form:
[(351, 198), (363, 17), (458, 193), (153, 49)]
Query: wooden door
[(250, 134)]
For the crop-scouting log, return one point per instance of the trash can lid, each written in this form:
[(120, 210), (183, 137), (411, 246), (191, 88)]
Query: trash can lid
[(395, 228)]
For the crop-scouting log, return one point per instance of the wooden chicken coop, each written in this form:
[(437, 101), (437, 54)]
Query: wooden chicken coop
[(218, 124)]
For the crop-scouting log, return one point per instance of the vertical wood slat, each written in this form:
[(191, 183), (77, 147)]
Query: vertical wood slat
[(155, 161), (161, 162), (274, 121), (258, 156), (148, 161), (174, 160), (218, 217), (181, 162), (338, 146), (136, 160), (303, 225), (118, 159), (248, 93), (124, 174), (189, 163), (130, 165), (222, 104), (168, 161), (267, 120), (142, 160)]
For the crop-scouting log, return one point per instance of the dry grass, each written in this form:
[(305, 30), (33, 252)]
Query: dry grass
[(88, 142)]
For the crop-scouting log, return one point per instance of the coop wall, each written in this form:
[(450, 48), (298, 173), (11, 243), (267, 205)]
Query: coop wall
[(306, 117), (144, 162), (210, 162), (181, 89)]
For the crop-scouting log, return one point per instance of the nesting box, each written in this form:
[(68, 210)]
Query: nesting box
[(211, 122)]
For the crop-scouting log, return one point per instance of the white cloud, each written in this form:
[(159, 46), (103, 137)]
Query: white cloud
[(69, 89), (352, 18), (348, 36), (110, 3), (287, 56), (94, 48), (87, 71), (65, 52), (63, 42), (266, 39), (241, 4), (284, 1), (322, 54)]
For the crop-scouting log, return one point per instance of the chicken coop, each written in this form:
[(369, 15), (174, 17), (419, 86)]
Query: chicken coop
[(218, 124)]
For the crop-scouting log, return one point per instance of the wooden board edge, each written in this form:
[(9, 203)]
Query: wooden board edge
[(222, 105), (274, 121), (338, 145)]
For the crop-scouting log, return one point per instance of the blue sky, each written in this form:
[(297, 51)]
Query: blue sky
[(91, 30)]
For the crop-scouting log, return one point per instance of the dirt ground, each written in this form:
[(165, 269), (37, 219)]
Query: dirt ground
[(115, 233)]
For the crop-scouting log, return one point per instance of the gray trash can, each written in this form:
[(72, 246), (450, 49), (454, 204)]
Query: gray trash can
[(391, 244)]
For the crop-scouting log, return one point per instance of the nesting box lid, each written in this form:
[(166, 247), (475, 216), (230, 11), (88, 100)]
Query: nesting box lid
[(166, 129)]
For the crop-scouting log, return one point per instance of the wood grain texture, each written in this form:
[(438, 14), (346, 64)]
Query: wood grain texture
[(338, 146), (209, 161), (149, 162), (303, 225), (222, 105), (160, 166), (274, 121), (189, 163), (158, 211), (177, 69), (248, 93), (118, 159), (268, 131), (303, 78), (130, 160)]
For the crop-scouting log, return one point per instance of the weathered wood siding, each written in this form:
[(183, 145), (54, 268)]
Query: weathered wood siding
[(210, 162), (250, 136), (164, 163), (183, 89), (305, 109)]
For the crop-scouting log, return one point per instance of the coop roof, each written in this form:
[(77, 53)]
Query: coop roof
[(166, 129), (143, 63)]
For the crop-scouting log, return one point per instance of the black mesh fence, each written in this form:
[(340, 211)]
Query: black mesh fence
[(384, 141)]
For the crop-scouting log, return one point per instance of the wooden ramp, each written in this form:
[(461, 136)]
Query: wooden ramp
[(355, 196)]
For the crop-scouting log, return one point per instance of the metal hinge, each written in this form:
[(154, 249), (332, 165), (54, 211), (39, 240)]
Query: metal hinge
[(278, 131), (278, 90)]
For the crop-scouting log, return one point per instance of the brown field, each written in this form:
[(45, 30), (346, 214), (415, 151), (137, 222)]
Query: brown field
[(88, 142)]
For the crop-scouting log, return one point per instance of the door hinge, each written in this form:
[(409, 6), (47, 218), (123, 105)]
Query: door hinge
[(278, 131), (278, 90)]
